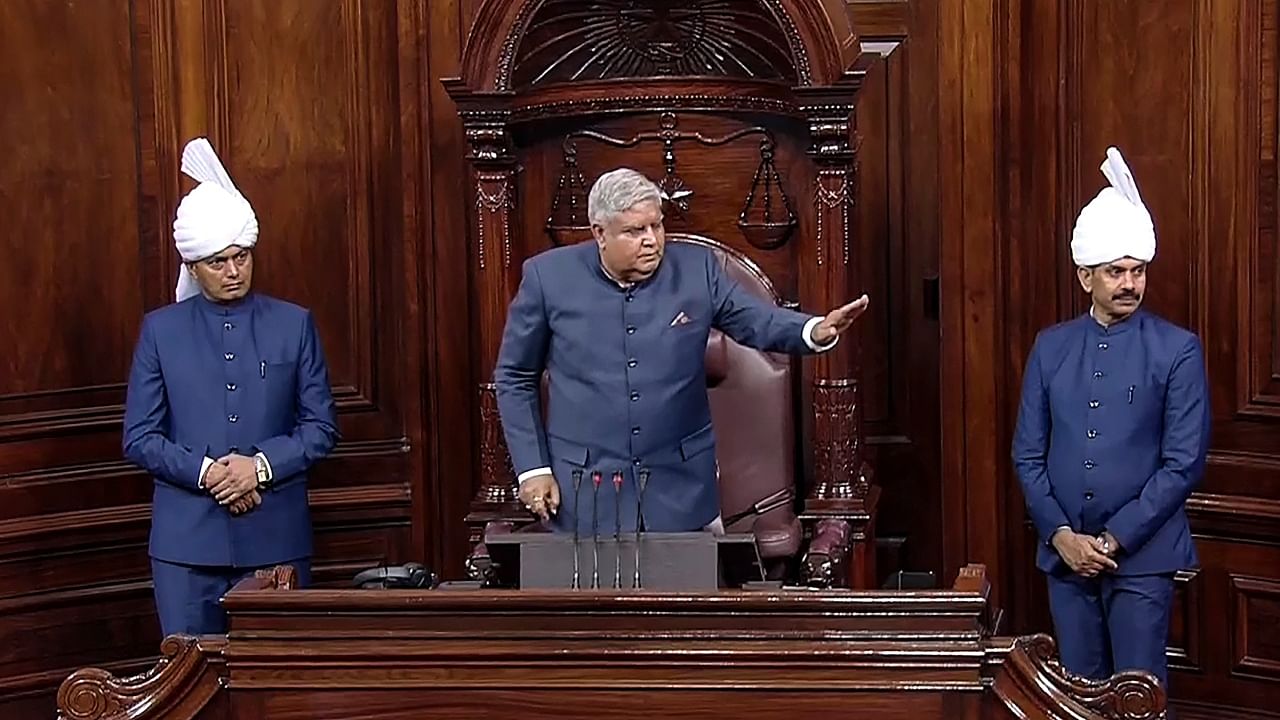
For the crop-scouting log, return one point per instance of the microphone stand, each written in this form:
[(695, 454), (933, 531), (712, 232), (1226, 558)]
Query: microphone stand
[(617, 529), (643, 480), (577, 485), (596, 478)]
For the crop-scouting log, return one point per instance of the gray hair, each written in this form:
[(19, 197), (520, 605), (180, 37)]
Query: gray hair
[(616, 191)]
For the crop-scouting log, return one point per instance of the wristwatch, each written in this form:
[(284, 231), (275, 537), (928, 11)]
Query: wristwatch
[(260, 467)]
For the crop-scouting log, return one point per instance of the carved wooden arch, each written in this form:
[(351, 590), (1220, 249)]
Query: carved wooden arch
[(822, 43), (804, 89)]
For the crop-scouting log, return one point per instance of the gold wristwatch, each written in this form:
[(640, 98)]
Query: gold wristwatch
[(260, 467)]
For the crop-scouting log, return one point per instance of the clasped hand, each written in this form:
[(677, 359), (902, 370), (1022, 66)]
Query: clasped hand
[(233, 480), (1084, 554)]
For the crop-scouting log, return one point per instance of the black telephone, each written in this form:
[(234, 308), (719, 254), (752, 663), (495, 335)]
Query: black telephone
[(409, 575)]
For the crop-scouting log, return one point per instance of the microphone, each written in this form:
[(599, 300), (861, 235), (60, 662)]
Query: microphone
[(577, 485), (596, 478), (643, 480), (617, 528)]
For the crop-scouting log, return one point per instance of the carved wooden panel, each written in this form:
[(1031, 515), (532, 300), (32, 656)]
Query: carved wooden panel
[(1188, 91), (304, 103), (622, 38), (1255, 642), (73, 174)]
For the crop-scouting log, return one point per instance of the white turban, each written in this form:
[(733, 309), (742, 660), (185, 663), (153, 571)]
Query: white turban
[(1115, 224), (211, 217)]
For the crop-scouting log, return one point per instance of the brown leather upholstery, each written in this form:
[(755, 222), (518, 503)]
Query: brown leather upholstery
[(753, 416)]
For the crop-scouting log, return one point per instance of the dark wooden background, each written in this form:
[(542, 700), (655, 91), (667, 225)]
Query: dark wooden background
[(983, 127)]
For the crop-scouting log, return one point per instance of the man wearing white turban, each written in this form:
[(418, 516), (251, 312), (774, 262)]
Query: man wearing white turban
[(1111, 439), (228, 406)]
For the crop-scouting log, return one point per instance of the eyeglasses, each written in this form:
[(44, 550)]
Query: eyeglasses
[(218, 262)]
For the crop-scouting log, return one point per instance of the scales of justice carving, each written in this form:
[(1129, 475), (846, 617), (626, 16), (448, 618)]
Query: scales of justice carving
[(766, 220)]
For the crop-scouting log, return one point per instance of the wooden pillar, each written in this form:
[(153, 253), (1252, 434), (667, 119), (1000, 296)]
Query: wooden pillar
[(494, 231), (839, 511)]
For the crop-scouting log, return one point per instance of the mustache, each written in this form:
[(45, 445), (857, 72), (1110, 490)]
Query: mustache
[(1125, 295)]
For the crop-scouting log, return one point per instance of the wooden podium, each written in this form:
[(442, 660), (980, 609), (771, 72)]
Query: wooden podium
[(401, 654)]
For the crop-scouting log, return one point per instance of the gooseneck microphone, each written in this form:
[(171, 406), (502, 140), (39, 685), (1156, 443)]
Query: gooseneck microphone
[(617, 528), (577, 485), (596, 478), (643, 480)]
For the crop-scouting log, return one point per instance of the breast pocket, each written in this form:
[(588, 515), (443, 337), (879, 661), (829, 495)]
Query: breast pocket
[(279, 381)]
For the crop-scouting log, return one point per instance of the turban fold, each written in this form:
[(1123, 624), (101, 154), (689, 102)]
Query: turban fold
[(1115, 224), (211, 217)]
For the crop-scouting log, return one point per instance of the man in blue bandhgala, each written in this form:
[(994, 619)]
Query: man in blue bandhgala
[(228, 406), (1111, 440), (620, 327)]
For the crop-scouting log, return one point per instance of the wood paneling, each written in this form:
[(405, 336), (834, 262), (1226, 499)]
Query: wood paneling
[(314, 107), (1188, 91)]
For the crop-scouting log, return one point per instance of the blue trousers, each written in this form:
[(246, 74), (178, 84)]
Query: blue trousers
[(187, 595), (1110, 623)]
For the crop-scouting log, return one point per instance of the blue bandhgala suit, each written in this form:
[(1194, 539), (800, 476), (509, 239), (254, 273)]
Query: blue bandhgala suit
[(1112, 436), (208, 380), (627, 380)]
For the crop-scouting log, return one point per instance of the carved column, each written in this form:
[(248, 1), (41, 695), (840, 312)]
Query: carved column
[(493, 227), (840, 507)]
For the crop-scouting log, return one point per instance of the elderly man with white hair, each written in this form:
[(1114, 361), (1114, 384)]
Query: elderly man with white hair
[(228, 406), (1111, 439), (620, 327)]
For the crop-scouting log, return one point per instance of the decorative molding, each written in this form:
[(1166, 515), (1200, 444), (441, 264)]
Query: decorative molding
[(839, 469), (1032, 670), (651, 103), (1187, 585), (497, 477), (185, 677), (835, 189), (574, 41), (495, 195), (512, 54), (1244, 592)]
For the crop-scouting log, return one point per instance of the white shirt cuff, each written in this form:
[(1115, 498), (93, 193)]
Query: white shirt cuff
[(204, 468), (270, 475), (807, 333), (528, 474)]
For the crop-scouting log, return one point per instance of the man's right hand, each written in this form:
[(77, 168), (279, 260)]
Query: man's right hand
[(541, 495), (1082, 553)]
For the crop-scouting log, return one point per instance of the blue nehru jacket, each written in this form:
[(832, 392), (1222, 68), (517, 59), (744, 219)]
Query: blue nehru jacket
[(1112, 435), (208, 380), (627, 382)]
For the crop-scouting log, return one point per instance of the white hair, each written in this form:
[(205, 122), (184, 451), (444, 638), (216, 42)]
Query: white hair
[(616, 191)]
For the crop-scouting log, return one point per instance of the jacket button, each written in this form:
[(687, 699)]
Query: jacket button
[(635, 396), (631, 329), (1088, 465), (630, 297), (231, 387), (227, 326), (233, 418), (1102, 346), (635, 461), (1094, 403), (1097, 373), (1092, 434), (635, 431), (229, 356), (1088, 495), (631, 363)]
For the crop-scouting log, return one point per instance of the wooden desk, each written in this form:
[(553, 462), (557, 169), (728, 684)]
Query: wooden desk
[(400, 654)]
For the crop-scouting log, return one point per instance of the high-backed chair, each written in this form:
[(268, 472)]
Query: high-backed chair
[(742, 112)]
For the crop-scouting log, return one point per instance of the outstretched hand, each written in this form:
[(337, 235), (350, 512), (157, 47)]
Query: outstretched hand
[(839, 320)]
